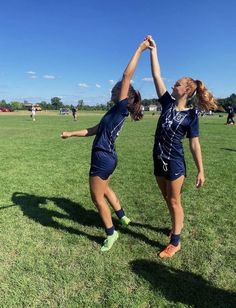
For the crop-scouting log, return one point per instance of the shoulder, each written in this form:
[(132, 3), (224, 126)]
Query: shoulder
[(122, 105), (166, 98), (123, 102), (194, 112)]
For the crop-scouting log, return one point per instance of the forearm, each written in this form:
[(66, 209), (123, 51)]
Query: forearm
[(156, 73), (81, 133), (155, 66), (129, 71), (197, 156)]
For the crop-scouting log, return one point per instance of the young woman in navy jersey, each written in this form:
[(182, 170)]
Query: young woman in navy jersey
[(104, 158), (176, 121)]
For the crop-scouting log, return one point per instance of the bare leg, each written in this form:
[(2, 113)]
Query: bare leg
[(112, 198), (162, 184), (97, 190), (174, 201)]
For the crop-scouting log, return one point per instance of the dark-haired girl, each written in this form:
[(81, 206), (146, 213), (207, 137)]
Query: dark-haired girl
[(104, 158)]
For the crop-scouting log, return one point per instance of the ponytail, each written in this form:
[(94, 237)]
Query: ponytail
[(134, 105), (204, 99), (200, 96)]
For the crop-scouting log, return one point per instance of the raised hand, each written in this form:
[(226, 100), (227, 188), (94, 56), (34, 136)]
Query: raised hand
[(151, 41), (145, 44)]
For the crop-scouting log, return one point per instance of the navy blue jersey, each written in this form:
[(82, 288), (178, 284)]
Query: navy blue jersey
[(172, 126), (110, 126)]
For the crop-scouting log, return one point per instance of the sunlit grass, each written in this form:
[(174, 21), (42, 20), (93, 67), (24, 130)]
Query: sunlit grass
[(51, 233)]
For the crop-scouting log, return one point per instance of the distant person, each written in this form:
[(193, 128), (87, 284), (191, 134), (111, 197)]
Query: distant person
[(104, 157), (33, 112), (176, 121), (230, 118), (74, 113)]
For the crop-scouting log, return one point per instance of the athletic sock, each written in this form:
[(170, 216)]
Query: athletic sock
[(110, 231), (120, 213), (175, 239)]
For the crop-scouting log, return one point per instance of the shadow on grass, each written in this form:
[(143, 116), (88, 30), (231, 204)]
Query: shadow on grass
[(182, 287), (130, 231), (35, 208), (165, 231), (228, 149)]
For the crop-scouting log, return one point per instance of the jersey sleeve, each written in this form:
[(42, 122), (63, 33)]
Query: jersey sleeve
[(122, 107), (166, 100), (193, 128)]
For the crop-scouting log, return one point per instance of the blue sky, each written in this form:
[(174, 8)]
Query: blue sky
[(77, 49)]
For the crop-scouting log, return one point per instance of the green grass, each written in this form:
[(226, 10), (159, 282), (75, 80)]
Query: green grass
[(51, 233)]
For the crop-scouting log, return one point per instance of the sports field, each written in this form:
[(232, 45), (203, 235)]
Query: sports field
[(51, 234)]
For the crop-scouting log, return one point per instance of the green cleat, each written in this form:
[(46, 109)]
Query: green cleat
[(125, 221), (109, 241)]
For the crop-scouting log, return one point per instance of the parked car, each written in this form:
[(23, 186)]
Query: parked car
[(3, 109), (64, 111), (37, 108)]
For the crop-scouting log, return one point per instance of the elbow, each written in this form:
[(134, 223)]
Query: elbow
[(126, 77)]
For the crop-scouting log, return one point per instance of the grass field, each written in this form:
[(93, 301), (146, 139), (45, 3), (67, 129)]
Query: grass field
[(51, 233)]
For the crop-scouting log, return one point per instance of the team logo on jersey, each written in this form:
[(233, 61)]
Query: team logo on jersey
[(179, 117)]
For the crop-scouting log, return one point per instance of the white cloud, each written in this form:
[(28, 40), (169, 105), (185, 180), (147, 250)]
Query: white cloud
[(31, 72), (33, 77), (83, 85), (147, 79), (98, 85), (131, 81), (111, 81), (49, 77)]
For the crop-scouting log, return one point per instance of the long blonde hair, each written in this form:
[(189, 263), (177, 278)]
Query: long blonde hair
[(200, 95)]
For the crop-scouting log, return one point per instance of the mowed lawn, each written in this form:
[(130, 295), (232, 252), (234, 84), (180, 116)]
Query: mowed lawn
[(51, 233)]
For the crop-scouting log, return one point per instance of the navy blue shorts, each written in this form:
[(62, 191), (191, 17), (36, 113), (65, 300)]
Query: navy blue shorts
[(103, 164), (171, 170)]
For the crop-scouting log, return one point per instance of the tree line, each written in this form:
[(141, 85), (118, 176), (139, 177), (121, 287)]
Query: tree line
[(56, 104)]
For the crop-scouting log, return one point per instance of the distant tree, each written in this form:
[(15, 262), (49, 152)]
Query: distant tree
[(56, 103), (228, 100), (80, 104), (43, 105), (3, 103), (17, 105)]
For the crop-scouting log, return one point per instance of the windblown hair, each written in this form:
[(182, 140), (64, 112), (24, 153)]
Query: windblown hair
[(200, 96), (134, 105)]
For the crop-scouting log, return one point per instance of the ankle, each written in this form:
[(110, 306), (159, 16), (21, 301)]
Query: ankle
[(175, 239)]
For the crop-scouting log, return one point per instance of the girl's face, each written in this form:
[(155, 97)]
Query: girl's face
[(180, 89)]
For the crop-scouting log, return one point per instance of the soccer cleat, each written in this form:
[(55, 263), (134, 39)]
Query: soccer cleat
[(109, 241), (169, 251), (125, 221)]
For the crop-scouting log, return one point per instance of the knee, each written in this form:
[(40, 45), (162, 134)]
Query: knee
[(97, 200), (174, 203)]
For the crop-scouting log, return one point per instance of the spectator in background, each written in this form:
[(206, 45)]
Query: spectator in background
[(230, 118), (33, 112), (74, 113)]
